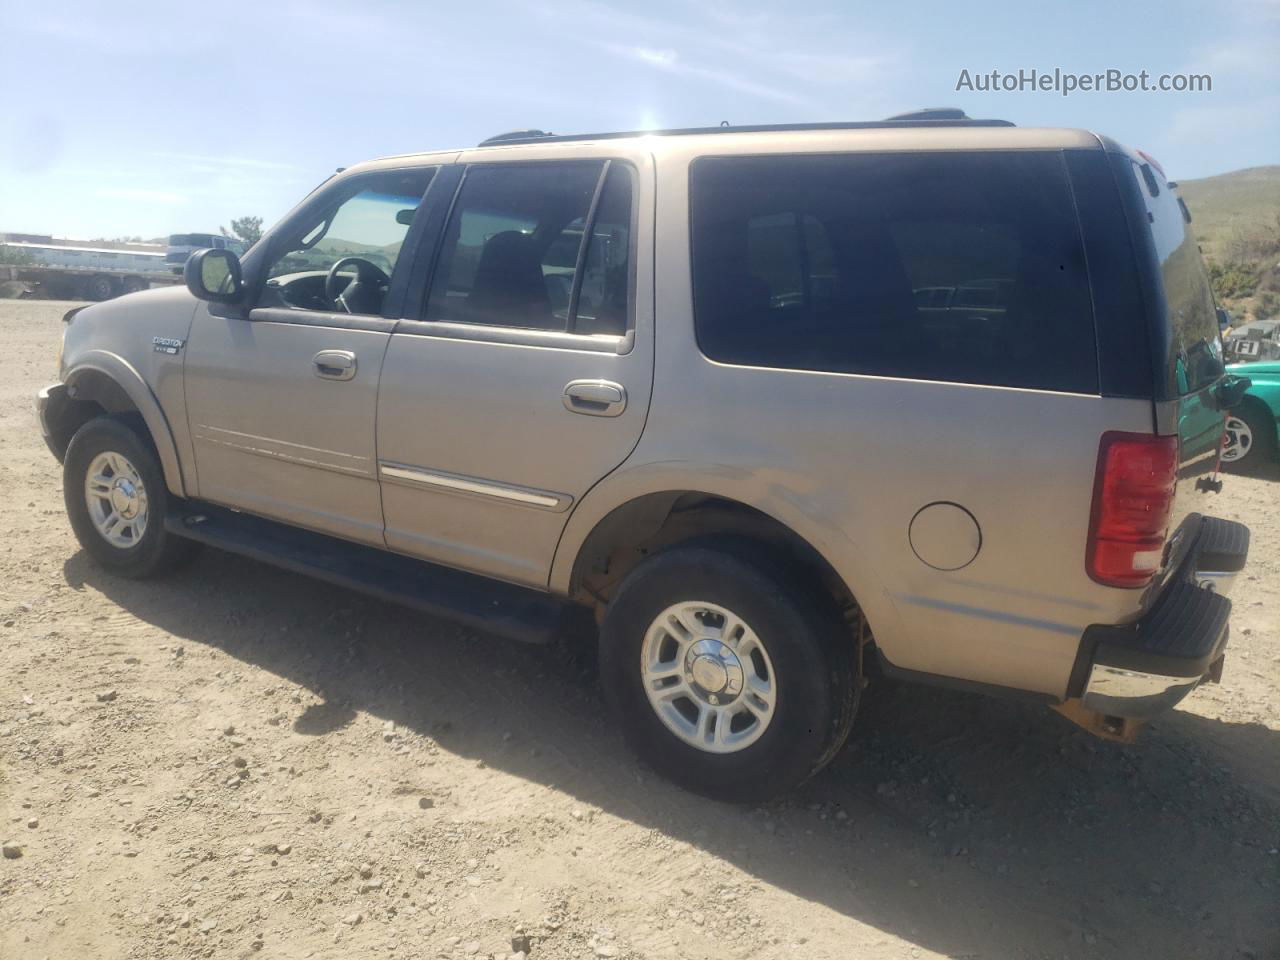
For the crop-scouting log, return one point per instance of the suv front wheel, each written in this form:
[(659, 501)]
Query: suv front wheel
[(729, 675), (1250, 438), (116, 501)]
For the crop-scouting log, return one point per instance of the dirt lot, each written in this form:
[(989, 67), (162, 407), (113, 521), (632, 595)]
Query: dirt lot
[(238, 761)]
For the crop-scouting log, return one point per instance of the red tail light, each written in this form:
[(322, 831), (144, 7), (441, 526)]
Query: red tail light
[(1132, 499)]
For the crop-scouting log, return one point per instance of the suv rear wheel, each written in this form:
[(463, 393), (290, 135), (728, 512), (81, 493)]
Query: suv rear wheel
[(729, 676), (116, 500)]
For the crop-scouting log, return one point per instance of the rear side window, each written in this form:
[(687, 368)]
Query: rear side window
[(962, 267), (538, 245), (603, 295)]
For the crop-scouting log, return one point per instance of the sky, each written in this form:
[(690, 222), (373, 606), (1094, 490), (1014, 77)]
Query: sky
[(139, 118)]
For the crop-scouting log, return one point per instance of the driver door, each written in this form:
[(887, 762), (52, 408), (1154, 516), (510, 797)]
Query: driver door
[(281, 406)]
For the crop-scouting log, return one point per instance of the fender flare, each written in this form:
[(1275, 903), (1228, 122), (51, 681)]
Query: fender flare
[(742, 486), (120, 372)]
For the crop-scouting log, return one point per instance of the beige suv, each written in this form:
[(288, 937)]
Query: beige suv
[(787, 407)]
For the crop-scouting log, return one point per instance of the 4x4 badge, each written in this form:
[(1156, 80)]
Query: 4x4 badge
[(167, 344)]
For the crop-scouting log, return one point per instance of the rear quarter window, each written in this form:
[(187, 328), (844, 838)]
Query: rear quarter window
[(962, 267)]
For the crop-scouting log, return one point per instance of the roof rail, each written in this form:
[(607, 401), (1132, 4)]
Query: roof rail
[(932, 117), (931, 113), (518, 136)]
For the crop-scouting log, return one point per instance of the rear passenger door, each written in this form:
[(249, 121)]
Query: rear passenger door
[(523, 375)]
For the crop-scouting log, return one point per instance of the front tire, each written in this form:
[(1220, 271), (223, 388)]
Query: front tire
[(729, 675), (117, 501)]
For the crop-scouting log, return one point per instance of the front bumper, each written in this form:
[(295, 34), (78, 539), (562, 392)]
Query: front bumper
[(50, 402), (1138, 670)]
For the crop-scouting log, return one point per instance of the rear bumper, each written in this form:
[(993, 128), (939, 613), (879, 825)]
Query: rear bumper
[(1141, 669)]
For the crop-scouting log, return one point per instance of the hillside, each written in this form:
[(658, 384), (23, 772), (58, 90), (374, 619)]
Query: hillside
[(1236, 219), (1243, 201)]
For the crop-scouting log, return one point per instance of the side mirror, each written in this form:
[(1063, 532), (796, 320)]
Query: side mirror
[(1231, 390), (214, 275)]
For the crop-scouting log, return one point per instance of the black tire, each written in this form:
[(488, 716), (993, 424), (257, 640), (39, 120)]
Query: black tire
[(1262, 427), (100, 288), (157, 551), (813, 658)]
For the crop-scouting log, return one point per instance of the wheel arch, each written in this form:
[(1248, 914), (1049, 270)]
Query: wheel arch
[(106, 383), (612, 530), (1270, 415)]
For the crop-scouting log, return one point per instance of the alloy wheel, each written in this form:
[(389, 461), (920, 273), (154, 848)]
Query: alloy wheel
[(117, 499), (708, 677)]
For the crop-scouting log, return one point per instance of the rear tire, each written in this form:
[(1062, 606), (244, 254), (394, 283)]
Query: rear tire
[(1251, 438), (100, 288), (116, 500), (736, 728)]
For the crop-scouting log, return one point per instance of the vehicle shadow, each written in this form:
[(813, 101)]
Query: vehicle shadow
[(969, 826), (1265, 471)]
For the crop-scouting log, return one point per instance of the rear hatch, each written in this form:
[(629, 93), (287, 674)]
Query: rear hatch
[(1185, 343)]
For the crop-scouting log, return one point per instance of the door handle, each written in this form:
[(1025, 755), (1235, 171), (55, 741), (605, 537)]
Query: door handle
[(595, 398), (335, 364)]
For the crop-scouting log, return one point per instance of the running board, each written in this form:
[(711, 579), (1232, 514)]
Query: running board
[(496, 607)]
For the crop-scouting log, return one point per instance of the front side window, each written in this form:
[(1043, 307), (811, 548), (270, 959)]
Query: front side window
[(341, 257), (961, 267), (513, 251)]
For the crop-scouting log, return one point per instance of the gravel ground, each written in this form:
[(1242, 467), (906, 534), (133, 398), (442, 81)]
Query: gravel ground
[(239, 761)]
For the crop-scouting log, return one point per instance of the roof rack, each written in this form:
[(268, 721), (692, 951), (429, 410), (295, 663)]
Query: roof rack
[(932, 113), (516, 136), (929, 117)]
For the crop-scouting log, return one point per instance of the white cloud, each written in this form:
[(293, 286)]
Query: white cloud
[(1195, 125), (804, 61), (162, 197), (670, 62), (237, 163)]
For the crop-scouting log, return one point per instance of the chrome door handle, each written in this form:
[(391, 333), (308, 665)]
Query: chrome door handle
[(335, 364), (595, 398)]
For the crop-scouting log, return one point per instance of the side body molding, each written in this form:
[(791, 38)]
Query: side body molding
[(120, 372)]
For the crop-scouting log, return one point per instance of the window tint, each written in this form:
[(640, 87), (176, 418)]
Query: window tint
[(958, 267), (793, 254), (510, 252), (1195, 345), (606, 271), (363, 222)]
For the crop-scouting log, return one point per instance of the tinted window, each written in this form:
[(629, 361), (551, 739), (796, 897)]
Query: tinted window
[(957, 267), (509, 255), (1195, 344)]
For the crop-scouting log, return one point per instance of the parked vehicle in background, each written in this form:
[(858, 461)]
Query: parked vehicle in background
[(183, 245), (785, 408), (74, 270), (1251, 443), (1259, 340)]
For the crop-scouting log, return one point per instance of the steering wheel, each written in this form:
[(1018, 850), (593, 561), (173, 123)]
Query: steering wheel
[(361, 294)]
